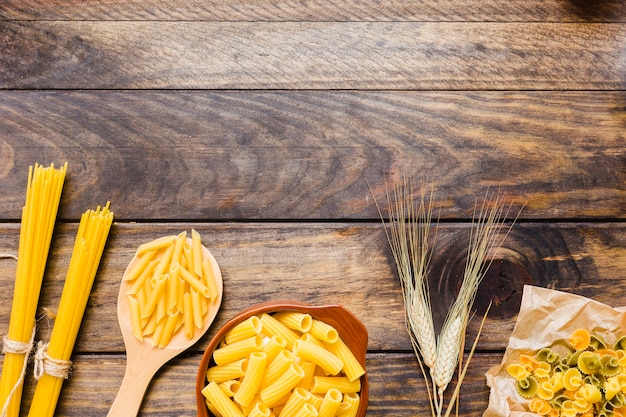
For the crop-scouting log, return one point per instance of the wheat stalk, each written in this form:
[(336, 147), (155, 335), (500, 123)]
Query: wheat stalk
[(410, 243)]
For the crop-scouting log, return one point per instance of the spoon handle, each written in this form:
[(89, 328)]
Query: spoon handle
[(131, 392)]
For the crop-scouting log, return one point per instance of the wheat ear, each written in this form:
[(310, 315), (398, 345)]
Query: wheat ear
[(409, 241)]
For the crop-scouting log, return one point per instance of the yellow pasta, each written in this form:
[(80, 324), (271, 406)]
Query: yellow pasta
[(351, 365), (260, 410), (294, 379), (230, 387), (296, 321), (224, 406), (252, 378), (188, 314), (135, 317), (306, 411), (159, 284), (43, 193), (88, 248), (163, 286), (274, 346), (324, 331), (349, 405), (272, 394), (272, 327), (309, 374), (277, 367), (194, 281), (209, 278), (318, 355), (244, 330), (321, 384), (196, 252), (232, 370), (168, 330), (140, 266), (330, 403), (196, 305), (316, 400), (298, 398), (235, 351), (155, 245)]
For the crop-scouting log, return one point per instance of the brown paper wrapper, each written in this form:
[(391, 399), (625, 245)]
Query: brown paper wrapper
[(547, 318)]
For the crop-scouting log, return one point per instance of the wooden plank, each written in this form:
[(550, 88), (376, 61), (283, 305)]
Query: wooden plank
[(346, 263), (396, 386), (273, 10), (310, 155), (312, 55)]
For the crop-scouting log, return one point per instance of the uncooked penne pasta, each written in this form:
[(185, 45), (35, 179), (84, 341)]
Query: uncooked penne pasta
[(196, 253), (170, 325), (155, 245), (224, 406), (188, 314), (135, 317), (157, 292), (196, 305), (318, 355), (194, 282), (140, 266), (209, 277)]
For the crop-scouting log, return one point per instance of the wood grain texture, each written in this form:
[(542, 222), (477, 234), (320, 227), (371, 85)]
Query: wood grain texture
[(310, 155), (345, 263), (274, 10), (396, 386), (312, 55)]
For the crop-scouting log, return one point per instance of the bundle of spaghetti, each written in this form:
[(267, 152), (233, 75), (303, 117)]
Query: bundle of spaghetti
[(43, 194), (55, 358)]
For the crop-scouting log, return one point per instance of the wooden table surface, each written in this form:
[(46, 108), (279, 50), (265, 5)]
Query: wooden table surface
[(260, 124)]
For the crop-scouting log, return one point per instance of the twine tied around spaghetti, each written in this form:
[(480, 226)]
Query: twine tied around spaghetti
[(44, 364), (23, 348)]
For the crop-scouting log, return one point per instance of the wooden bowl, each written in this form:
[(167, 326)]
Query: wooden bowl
[(351, 330)]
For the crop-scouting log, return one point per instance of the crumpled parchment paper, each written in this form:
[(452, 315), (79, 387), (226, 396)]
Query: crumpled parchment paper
[(547, 318)]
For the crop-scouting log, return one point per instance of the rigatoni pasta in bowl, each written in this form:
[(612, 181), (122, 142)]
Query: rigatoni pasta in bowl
[(285, 359)]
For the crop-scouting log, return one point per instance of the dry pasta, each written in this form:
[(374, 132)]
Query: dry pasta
[(172, 283), (252, 378), (91, 237), (43, 193), (306, 377), (222, 403)]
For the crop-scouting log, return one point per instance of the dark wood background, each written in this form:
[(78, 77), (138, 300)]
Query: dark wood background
[(261, 123)]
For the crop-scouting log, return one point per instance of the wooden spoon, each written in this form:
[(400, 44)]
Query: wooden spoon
[(142, 359)]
